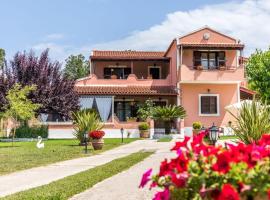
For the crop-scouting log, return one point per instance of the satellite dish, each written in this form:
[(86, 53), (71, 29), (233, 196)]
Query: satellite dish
[(206, 36)]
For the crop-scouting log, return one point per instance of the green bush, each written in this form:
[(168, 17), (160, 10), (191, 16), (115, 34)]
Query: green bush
[(143, 126), (197, 125), (25, 131)]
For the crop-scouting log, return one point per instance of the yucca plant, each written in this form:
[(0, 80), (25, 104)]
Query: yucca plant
[(252, 120), (84, 121), (168, 114)]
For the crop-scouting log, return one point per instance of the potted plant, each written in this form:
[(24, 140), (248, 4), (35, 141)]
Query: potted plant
[(85, 120), (144, 130), (196, 127), (168, 114), (131, 119), (97, 139)]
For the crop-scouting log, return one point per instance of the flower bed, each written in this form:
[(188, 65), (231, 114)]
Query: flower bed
[(201, 171)]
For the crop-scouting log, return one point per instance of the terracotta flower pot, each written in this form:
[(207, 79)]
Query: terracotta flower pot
[(97, 144), (144, 133)]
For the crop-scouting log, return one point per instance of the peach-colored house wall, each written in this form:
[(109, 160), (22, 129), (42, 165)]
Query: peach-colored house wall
[(228, 94), (172, 54), (196, 37), (188, 74)]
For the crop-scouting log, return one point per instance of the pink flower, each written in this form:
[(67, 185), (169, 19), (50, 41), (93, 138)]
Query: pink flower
[(165, 195), (145, 178)]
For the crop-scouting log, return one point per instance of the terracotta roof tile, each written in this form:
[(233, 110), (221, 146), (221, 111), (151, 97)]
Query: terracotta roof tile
[(128, 54), (128, 90), (217, 45)]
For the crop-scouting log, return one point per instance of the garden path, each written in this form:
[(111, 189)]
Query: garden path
[(125, 184), (35, 177)]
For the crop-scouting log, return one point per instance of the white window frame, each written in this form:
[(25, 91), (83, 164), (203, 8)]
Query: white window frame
[(155, 67), (218, 106)]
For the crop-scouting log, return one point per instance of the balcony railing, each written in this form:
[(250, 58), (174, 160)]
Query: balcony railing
[(132, 79), (226, 73)]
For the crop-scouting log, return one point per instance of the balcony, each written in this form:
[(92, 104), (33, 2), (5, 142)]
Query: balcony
[(226, 74), (132, 80)]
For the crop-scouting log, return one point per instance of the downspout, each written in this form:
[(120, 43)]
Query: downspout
[(178, 67)]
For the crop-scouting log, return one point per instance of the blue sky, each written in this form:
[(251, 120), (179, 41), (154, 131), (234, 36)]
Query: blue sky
[(68, 26)]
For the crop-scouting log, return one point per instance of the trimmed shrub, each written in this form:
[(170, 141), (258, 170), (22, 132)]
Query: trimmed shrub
[(197, 125), (25, 131)]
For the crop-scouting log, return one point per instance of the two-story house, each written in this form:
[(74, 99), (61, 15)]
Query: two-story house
[(202, 71)]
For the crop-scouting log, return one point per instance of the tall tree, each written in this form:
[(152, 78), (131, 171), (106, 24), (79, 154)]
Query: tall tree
[(2, 58), (20, 107), (54, 91), (76, 67), (258, 73)]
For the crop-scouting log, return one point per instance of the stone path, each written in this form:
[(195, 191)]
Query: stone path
[(35, 177), (124, 185)]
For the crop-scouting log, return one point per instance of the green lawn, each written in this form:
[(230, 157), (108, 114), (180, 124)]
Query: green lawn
[(165, 139), (228, 137), (25, 155), (71, 185)]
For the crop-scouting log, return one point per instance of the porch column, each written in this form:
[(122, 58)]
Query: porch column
[(131, 65), (113, 109)]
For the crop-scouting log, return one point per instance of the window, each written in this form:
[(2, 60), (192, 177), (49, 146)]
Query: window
[(209, 105), (124, 109), (209, 59), (120, 72), (155, 72)]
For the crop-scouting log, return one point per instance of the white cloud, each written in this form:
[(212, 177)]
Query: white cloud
[(247, 20)]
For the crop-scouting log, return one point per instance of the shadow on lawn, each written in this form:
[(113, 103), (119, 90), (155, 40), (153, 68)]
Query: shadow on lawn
[(3, 147)]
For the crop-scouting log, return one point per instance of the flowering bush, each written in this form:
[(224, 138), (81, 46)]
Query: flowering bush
[(201, 171), (96, 134)]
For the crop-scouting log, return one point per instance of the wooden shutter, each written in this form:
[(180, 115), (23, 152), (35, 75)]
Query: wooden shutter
[(197, 58)]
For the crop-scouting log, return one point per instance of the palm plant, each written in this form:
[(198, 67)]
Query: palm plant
[(252, 120), (84, 121), (168, 114)]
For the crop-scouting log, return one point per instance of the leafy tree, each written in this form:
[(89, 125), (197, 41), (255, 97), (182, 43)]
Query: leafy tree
[(258, 73), (2, 58), (53, 90), (20, 107), (76, 67), (145, 109), (168, 114)]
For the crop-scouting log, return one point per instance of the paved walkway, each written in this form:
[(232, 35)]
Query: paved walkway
[(124, 185), (35, 177)]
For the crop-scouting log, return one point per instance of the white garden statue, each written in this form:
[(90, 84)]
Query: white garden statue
[(39, 144)]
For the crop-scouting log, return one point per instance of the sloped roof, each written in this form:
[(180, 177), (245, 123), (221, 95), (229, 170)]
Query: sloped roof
[(128, 54), (127, 90)]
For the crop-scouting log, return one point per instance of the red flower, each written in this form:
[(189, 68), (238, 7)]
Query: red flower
[(96, 134), (179, 180), (228, 192), (265, 139), (223, 162), (268, 194), (181, 163), (145, 178), (178, 145)]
